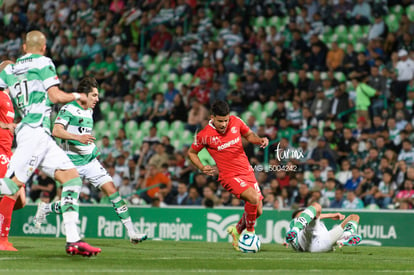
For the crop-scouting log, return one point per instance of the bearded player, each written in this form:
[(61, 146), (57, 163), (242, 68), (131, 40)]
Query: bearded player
[(222, 138)]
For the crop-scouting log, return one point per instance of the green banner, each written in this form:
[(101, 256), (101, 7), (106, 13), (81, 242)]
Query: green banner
[(379, 228)]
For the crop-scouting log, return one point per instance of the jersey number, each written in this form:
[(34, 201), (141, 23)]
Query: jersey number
[(23, 95)]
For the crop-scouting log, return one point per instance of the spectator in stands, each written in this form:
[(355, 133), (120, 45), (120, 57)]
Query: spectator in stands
[(152, 138), (403, 75), (179, 110), (386, 189), (361, 13), (159, 108), (269, 87), (364, 93), (368, 186), (236, 98), (196, 115), (350, 59), (152, 178), (217, 93), (160, 41), (405, 194), (407, 152), (160, 157), (193, 196), (302, 198), (201, 93), (320, 106), (378, 28), (352, 201), (251, 88), (182, 194)]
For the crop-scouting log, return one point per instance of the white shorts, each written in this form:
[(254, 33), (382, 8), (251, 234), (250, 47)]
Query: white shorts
[(94, 173), (315, 237), (36, 149)]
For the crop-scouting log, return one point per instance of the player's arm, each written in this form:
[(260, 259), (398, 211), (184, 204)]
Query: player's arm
[(8, 126), (59, 131), (255, 139), (206, 169), (57, 96), (333, 216)]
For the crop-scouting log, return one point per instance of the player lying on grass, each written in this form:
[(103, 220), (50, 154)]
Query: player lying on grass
[(74, 125), (308, 234), (222, 138)]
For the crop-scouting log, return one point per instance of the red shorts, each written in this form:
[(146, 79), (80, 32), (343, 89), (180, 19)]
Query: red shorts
[(238, 184), (4, 162)]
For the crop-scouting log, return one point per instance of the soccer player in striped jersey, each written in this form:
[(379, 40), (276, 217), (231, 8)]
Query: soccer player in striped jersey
[(32, 82), (74, 125), (308, 234)]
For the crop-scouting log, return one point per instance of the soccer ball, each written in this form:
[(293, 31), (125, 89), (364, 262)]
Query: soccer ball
[(249, 243)]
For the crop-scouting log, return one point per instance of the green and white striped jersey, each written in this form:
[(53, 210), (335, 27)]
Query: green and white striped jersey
[(28, 81), (78, 121)]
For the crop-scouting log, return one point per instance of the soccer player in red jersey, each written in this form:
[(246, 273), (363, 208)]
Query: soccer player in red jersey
[(222, 138), (7, 203)]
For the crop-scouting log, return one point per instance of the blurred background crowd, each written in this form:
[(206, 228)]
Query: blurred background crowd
[(332, 78)]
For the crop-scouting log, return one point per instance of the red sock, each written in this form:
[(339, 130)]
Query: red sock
[(6, 210), (251, 213), (241, 225)]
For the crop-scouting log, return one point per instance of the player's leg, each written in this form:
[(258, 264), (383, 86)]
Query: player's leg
[(7, 205), (349, 227), (122, 211), (305, 217), (57, 165)]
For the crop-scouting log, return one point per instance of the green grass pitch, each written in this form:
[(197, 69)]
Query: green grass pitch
[(47, 256)]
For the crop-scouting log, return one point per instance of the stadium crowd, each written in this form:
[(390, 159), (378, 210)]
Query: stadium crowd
[(334, 79)]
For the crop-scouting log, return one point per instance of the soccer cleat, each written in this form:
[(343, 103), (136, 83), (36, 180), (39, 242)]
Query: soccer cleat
[(6, 246), (351, 240), (232, 230), (82, 248), (291, 235), (137, 238), (40, 216)]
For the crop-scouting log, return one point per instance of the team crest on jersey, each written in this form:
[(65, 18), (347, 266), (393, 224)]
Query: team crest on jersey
[(215, 140), (233, 130)]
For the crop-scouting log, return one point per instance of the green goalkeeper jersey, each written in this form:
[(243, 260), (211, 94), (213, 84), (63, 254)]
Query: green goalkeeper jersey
[(78, 121)]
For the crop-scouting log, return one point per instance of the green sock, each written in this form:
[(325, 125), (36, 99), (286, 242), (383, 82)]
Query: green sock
[(350, 228), (55, 207), (306, 217), (121, 210), (8, 187)]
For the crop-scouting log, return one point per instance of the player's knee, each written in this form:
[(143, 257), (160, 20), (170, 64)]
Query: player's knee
[(354, 217), (317, 207), (108, 188)]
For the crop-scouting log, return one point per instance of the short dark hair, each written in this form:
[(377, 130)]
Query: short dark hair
[(220, 108), (86, 85), (301, 209)]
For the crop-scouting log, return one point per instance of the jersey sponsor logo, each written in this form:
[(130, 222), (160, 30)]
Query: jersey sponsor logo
[(233, 130), (217, 225), (228, 144), (10, 114), (84, 130)]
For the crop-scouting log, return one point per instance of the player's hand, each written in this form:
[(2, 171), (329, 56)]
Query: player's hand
[(264, 142), (208, 170), (285, 244), (10, 127), (83, 98), (338, 216), (86, 139)]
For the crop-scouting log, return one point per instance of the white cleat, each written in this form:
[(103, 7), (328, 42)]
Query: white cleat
[(40, 216), (137, 238)]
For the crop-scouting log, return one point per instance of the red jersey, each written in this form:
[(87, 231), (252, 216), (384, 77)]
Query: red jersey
[(226, 149), (6, 116), (206, 74)]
